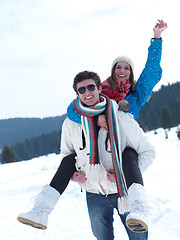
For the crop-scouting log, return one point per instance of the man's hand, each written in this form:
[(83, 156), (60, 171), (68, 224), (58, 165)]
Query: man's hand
[(159, 28), (111, 175), (79, 177)]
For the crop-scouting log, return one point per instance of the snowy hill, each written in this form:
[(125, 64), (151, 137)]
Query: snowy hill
[(20, 182)]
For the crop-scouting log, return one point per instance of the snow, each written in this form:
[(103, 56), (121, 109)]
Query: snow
[(21, 182)]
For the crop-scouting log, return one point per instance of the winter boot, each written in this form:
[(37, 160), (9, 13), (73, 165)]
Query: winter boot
[(136, 220), (45, 203)]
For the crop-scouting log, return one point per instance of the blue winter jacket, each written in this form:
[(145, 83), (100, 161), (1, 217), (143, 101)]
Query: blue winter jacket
[(149, 77)]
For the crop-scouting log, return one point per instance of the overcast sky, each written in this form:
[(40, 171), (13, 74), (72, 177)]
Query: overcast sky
[(45, 43)]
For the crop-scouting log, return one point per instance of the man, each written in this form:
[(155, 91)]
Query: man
[(100, 170)]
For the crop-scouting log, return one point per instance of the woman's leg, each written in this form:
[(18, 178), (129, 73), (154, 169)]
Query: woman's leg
[(136, 220), (49, 196), (64, 173), (130, 167)]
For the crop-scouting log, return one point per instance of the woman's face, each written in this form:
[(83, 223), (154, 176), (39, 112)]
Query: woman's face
[(122, 71)]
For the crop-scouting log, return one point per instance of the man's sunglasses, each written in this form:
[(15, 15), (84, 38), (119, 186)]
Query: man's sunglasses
[(90, 87)]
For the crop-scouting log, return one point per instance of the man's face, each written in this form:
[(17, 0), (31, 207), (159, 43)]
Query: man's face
[(89, 94)]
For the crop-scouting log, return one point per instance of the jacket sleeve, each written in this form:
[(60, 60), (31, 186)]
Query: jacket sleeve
[(66, 139), (151, 74), (133, 136), (72, 114)]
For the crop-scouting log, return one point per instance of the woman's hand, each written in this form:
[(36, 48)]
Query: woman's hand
[(102, 122), (159, 28)]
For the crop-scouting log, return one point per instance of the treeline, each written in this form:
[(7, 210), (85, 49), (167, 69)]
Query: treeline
[(31, 148), (163, 106), (15, 130)]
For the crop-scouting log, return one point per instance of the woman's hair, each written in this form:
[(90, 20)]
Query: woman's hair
[(84, 76), (113, 81)]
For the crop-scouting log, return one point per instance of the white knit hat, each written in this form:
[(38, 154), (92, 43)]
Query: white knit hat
[(124, 59)]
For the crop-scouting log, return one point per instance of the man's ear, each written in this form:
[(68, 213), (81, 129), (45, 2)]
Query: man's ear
[(100, 88)]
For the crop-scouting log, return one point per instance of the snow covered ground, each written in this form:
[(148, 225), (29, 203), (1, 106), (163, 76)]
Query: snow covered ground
[(21, 182)]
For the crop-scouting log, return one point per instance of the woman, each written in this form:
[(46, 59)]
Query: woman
[(120, 85)]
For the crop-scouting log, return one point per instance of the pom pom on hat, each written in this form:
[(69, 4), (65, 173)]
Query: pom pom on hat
[(123, 59)]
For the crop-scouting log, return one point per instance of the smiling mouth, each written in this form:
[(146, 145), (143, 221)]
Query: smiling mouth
[(87, 98), (121, 75)]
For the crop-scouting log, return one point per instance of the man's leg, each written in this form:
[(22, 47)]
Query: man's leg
[(101, 216)]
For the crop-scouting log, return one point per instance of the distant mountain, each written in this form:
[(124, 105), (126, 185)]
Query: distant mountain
[(16, 130)]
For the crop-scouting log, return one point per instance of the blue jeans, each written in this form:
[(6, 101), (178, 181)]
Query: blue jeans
[(101, 209)]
